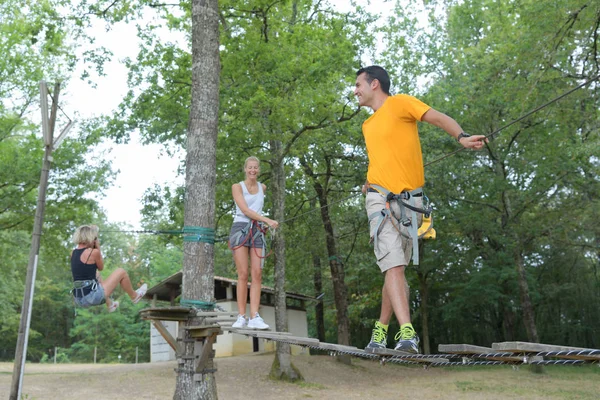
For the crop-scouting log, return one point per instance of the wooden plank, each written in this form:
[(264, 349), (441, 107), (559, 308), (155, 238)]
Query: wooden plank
[(166, 313), (407, 356), (203, 331), (340, 348), (167, 309), (279, 336), (463, 349), (205, 352), (223, 320), (249, 331), (165, 317), (337, 347), (526, 347), (167, 336), (469, 349), (216, 314)]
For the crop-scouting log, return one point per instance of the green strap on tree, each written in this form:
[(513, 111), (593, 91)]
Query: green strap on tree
[(198, 234), (203, 305)]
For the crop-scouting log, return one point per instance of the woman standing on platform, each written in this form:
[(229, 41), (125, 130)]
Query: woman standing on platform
[(86, 263), (247, 241)]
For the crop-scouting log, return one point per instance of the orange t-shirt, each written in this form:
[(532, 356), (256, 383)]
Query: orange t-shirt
[(393, 145)]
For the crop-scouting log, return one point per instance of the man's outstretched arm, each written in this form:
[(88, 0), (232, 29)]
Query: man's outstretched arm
[(452, 127)]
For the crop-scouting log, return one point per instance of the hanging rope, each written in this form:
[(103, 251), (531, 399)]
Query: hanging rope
[(491, 135)]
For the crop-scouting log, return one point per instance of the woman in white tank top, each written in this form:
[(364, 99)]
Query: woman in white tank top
[(249, 200)]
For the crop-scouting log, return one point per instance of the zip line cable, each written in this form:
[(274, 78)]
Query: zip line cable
[(490, 135), (520, 118)]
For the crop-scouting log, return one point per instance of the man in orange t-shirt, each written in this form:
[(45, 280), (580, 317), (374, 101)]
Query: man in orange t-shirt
[(396, 164)]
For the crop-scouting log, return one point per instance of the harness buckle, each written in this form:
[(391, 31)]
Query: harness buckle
[(390, 196)]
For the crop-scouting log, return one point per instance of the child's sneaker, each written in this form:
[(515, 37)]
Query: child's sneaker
[(140, 293), (241, 322), (257, 323), (378, 337)]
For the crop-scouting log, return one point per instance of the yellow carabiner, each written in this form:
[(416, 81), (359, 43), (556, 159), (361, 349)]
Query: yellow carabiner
[(425, 226)]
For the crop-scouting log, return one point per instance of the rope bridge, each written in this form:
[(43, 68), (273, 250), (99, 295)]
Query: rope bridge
[(451, 355)]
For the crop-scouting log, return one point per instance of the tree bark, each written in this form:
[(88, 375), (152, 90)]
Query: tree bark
[(340, 292), (319, 309), (282, 365), (198, 258)]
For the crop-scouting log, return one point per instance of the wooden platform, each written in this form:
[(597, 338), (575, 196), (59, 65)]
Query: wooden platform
[(173, 313)]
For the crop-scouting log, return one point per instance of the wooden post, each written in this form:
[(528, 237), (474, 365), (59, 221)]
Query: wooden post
[(54, 354), (23, 336), (95, 350), (136, 354)]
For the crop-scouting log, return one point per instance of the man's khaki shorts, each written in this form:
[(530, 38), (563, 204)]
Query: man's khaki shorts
[(394, 246)]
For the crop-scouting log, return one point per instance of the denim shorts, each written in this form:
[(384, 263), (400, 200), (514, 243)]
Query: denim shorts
[(93, 298)]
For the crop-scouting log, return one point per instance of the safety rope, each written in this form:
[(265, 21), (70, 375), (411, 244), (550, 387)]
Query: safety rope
[(203, 305), (491, 135)]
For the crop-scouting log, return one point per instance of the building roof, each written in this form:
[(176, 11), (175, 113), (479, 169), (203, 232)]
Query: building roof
[(170, 288)]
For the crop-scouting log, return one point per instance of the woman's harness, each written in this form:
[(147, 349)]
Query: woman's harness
[(408, 216), (246, 234), (78, 287)]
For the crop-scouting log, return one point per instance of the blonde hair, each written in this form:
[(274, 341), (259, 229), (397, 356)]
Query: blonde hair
[(251, 158), (85, 234)]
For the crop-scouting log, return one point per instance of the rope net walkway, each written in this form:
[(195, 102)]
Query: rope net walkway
[(523, 353), (450, 355)]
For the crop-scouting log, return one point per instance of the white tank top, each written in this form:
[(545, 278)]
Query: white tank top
[(255, 202)]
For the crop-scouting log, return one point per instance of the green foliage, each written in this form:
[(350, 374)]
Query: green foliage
[(287, 73), (114, 334)]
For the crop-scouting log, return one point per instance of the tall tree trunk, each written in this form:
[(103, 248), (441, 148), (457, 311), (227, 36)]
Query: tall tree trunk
[(319, 309), (340, 292), (282, 367), (198, 258)]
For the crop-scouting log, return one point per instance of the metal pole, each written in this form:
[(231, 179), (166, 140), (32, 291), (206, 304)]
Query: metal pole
[(95, 350), (54, 354), (136, 354), (21, 350)]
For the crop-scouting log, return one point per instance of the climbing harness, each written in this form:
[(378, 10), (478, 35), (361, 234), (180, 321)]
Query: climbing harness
[(245, 235), (78, 287), (408, 216)]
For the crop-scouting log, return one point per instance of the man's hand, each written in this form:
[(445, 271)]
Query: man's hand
[(474, 142)]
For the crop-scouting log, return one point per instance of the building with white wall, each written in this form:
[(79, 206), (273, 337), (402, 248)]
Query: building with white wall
[(228, 344)]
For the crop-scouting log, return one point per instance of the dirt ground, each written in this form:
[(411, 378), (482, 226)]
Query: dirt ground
[(246, 377)]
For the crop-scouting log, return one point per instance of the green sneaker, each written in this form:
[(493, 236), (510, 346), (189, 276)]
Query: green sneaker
[(407, 340), (378, 337)]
